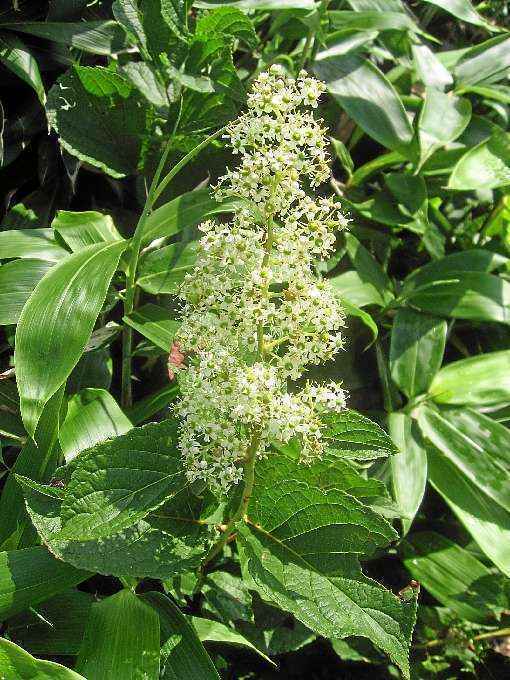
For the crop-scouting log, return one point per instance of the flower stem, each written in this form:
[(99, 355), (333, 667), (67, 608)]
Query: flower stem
[(240, 513)]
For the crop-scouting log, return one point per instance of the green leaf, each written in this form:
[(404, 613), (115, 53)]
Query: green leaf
[(93, 416), (121, 640), (37, 459), (408, 467), (155, 324), (490, 59), (476, 444), (322, 526), (350, 435), (368, 98), (99, 118), (227, 21), (463, 10), (368, 268), (352, 310), (17, 281), (453, 576), (96, 37), (163, 270), (272, 5), (429, 68), (30, 243), (67, 614), (146, 80), (475, 381), (145, 408), (159, 546), (351, 287), (486, 166), (214, 631), (118, 482), (462, 295), (468, 261), (443, 118), (31, 576), (370, 20), (16, 663), (416, 350), (340, 606), (487, 522), (183, 655), (57, 321), (81, 229), (15, 56)]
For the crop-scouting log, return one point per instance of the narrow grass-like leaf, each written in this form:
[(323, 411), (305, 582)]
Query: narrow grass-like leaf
[(17, 282)]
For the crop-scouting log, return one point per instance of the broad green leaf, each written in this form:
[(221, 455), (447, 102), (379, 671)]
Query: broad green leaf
[(160, 546), (81, 229), (145, 78), (408, 466), (17, 282), (93, 416), (118, 482), (37, 460), (182, 653), (15, 56), (156, 25), (487, 60), (454, 576), (410, 192), (57, 321), (463, 10), (416, 350), (443, 118), (486, 166), (468, 261), (335, 607), (31, 576), (16, 663), (96, 37), (30, 243), (475, 381), (155, 324), (11, 426), (368, 98), (462, 295), (476, 444), (350, 435), (430, 70), (227, 21), (487, 522), (112, 118), (55, 627), (121, 640), (162, 271), (322, 526)]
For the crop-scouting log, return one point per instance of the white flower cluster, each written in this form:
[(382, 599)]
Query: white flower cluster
[(255, 315)]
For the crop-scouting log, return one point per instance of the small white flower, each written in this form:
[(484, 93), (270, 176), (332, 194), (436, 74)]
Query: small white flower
[(255, 316)]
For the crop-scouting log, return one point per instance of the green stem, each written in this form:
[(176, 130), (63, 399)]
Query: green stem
[(249, 478), (155, 191), (501, 632)]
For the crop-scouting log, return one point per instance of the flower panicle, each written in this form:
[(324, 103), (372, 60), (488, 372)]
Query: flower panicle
[(255, 315)]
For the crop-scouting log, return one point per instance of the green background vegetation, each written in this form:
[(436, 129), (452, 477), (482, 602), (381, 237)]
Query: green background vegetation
[(97, 100)]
